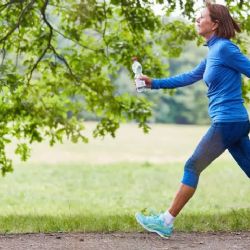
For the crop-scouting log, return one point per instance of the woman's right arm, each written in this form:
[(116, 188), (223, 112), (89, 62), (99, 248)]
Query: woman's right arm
[(177, 81)]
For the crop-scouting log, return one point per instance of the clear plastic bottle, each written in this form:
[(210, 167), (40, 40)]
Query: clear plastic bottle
[(137, 69)]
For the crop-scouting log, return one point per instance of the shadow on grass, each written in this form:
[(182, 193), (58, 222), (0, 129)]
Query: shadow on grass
[(234, 220)]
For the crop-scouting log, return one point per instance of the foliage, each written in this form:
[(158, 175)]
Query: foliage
[(57, 59)]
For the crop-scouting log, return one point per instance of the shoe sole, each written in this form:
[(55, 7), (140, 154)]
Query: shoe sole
[(152, 230)]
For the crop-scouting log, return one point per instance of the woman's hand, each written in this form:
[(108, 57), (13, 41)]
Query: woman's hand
[(147, 80)]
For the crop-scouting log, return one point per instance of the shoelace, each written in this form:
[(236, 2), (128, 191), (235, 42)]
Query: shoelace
[(154, 216)]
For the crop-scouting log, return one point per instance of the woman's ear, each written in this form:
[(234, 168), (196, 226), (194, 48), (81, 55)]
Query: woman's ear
[(215, 25)]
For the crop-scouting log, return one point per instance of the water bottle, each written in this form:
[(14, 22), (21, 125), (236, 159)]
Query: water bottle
[(137, 69)]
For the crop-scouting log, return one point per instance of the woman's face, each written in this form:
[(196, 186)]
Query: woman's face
[(205, 26)]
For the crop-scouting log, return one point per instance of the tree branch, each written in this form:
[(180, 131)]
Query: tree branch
[(59, 6), (23, 12), (50, 46), (69, 38), (81, 45), (4, 54), (3, 6), (64, 61), (105, 28), (43, 10), (36, 63)]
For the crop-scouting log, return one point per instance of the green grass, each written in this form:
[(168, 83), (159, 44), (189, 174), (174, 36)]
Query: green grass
[(83, 197)]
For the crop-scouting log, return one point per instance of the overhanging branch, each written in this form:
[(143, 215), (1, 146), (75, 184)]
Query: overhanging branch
[(23, 12), (50, 46)]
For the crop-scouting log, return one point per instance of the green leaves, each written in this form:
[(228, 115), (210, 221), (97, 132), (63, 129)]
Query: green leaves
[(59, 59), (23, 150)]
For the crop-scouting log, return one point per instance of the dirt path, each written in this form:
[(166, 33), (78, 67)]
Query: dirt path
[(126, 241)]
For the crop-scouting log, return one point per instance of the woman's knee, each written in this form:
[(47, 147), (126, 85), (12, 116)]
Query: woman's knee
[(191, 175)]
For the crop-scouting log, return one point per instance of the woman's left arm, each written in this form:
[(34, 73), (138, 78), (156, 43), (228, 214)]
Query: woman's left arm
[(232, 57)]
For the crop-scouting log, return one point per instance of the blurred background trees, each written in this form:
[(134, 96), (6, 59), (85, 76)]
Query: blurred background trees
[(63, 62)]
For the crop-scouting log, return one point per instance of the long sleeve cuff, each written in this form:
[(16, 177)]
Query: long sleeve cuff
[(156, 84)]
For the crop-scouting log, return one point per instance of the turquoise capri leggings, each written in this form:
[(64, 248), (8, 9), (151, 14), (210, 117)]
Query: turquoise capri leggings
[(219, 137)]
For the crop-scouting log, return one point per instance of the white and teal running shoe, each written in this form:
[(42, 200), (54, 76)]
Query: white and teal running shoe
[(155, 224)]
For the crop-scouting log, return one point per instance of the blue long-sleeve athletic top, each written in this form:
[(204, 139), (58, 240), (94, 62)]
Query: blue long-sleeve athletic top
[(221, 72)]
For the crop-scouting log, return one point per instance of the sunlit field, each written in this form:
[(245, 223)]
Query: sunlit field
[(163, 144)]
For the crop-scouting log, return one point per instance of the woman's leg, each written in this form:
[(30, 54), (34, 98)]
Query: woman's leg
[(241, 153), (210, 147), (220, 136), (181, 198)]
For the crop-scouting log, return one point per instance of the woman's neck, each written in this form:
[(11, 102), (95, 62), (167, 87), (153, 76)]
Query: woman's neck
[(209, 36)]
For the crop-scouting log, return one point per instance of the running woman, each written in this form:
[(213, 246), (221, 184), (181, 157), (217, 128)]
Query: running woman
[(221, 71)]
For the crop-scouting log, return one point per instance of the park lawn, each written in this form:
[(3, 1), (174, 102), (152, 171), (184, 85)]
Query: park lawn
[(84, 197)]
